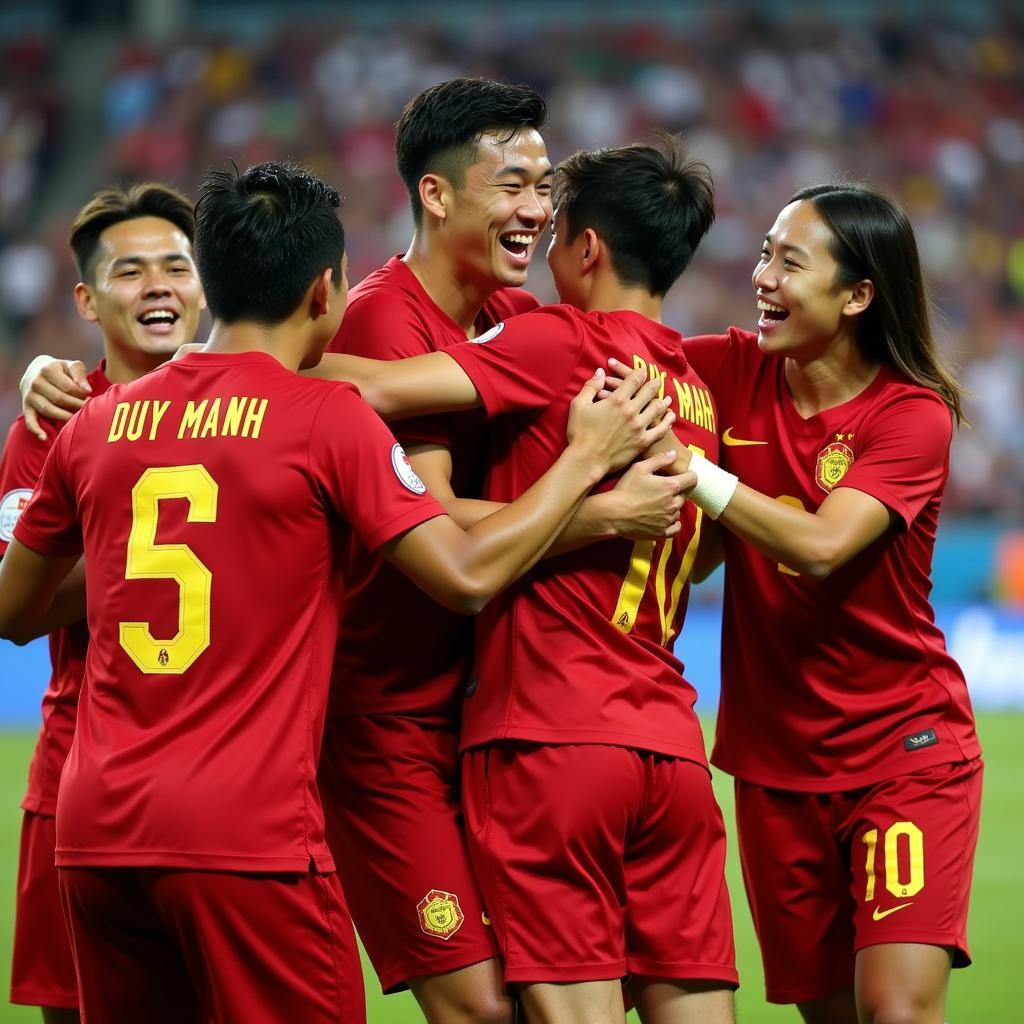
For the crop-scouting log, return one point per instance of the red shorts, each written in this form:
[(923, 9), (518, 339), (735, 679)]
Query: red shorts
[(164, 945), (43, 970), (389, 787), (828, 874), (599, 861)]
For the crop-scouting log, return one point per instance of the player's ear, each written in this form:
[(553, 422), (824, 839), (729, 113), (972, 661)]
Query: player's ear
[(592, 249), (321, 292), (860, 298), (435, 192), (84, 302)]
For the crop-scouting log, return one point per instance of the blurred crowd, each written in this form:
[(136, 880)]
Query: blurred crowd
[(933, 112)]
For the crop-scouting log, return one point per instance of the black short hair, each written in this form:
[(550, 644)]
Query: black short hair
[(440, 127), (118, 203), (651, 205), (262, 237)]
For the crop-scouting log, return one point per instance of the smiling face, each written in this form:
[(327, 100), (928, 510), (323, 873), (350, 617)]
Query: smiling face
[(802, 310), (145, 293), (494, 219)]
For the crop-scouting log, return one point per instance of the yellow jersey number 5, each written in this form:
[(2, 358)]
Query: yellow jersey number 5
[(148, 560)]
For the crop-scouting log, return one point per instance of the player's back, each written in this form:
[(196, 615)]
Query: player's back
[(579, 650), (208, 514)]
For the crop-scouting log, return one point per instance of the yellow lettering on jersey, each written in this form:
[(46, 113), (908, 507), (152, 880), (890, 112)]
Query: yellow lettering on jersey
[(254, 417), (131, 420), (653, 373), (118, 421), (233, 416), (212, 420), (685, 400), (240, 416), (709, 409), (159, 408), (191, 419)]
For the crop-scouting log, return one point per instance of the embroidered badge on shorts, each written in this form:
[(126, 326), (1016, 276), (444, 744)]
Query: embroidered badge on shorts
[(440, 914)]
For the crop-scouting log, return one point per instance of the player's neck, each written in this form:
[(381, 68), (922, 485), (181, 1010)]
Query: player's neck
[(828, 380), (609, 295), (279, 340), (434, 270), (123, 368)]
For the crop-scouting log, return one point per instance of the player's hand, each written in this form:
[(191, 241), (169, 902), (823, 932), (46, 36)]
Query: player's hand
[(55, 388), (631, 419), (647, 503), (189, 346)]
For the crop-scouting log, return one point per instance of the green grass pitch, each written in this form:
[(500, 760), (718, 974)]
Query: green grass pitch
[(987, 993)]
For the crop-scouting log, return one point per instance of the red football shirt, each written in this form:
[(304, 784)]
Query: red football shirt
[(23, 458), (579, 650), (415, 660), (213, 498), (834, 684)]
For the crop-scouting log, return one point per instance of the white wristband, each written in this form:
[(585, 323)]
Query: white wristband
[(715, 486)]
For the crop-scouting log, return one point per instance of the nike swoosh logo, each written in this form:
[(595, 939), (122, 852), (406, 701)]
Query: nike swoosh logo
[(879, 914), (728, 439)]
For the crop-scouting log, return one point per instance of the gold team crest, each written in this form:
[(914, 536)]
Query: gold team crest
[(833, 462), (440, 914)]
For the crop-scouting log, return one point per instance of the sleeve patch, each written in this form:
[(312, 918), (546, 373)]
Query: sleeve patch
[(488, 335), (11, 506), (404, 471)]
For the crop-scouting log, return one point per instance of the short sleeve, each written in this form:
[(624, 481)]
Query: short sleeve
[(523, 364), (49, 522), (904, 456), (363, 470), (22, 462), (707, 353)]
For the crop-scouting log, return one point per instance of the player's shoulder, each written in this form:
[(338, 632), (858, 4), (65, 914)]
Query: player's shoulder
[(393, 284), (898, 398), (543, 324), (505, 303)]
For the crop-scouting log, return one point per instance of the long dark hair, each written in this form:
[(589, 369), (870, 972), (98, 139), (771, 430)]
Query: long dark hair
[(871, 238)]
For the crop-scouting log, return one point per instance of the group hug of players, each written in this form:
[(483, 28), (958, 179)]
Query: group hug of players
[(271, 713)]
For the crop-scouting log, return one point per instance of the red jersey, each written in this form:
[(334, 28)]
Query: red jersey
[(23, 458), (579, 650), (843, 682), (212, 498), (390, 316)]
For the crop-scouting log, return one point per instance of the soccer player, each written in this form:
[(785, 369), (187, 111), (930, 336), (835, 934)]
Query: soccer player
[(596, 838), (843, 718), (479, 181), (194, 872), (133, 249)]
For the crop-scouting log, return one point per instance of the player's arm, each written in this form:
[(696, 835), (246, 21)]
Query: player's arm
[(464, 568), (643, 505), (400, 388), (815, 543), (710, 552), (33, 600), (55, 388)]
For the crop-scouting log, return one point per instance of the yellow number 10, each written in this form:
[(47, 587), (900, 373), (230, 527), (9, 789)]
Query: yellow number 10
[(635, 584), (894, 882), (148, 560)]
